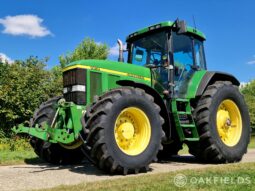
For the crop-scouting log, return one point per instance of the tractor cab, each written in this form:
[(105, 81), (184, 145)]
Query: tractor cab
[(173, 52)]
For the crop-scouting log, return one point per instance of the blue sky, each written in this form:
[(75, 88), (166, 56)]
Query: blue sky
[(56, 27)]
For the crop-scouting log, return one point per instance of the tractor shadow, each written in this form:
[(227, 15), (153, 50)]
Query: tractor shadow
[(35, 160), (86, 168), (180, 159), (184, 160)]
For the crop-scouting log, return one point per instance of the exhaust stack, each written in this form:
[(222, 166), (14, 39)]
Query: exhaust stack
[(121, 58)]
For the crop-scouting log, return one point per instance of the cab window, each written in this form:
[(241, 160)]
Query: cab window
[(199, 53), (183, 59)]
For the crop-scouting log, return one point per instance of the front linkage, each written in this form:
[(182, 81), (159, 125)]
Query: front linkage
[(65, 127)]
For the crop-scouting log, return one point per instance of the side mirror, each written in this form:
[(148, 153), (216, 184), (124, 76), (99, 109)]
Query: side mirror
[(138, 55)]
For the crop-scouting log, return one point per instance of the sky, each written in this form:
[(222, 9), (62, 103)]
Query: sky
[(47, 28)]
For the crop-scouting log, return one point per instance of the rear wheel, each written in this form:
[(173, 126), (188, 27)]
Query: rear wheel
[(124, 131), (49, 152), (223, 123)]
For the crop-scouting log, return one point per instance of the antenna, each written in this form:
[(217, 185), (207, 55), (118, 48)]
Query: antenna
[(194, 22)]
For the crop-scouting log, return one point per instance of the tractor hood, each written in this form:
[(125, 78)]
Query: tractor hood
[(112, 67)]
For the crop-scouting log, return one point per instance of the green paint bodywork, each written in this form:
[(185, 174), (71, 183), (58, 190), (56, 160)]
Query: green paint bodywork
[(64, 129), (108, 73), (190, 30), (194, 84), (116, 66)]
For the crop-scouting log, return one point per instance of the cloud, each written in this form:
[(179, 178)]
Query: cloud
[(251, 62), (4, 58), (99, 43), (114, 50), (30, 25)]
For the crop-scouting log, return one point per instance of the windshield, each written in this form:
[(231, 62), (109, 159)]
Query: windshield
[(151, 49)]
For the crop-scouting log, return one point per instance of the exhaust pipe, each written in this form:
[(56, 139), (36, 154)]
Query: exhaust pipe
[(121, 58)]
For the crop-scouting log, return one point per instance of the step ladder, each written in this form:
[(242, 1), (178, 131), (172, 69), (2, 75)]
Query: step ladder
[(185, 124)]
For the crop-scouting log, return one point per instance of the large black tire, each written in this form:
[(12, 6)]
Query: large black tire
[(49, 152), (211, 147), (99, 128)]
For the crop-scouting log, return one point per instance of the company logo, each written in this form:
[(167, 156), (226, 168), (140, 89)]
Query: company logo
[(180, 180)]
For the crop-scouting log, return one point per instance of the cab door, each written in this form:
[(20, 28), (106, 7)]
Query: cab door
[(188, 57)]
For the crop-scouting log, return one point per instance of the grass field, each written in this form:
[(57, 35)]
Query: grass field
[(230, 177), (16, 151), (22, 152), (252, 143)]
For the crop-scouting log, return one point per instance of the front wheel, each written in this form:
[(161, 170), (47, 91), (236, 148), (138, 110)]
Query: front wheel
[(53, 152), (223, 124), (125, 131)]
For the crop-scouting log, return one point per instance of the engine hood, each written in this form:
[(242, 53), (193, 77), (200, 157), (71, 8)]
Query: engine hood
[(117, 68)]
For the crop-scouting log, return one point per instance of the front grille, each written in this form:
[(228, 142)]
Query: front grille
[(71, 79)]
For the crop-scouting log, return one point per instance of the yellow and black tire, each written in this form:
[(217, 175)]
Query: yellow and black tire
[(223, 123), (123, 130), (53, 152)]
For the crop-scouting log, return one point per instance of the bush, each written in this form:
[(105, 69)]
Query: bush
[(24, 85), (14, 144), (249, 95)]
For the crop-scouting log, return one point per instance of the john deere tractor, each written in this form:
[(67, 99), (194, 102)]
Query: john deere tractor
[(123, 116)]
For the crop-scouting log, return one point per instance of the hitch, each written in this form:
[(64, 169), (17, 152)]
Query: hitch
[(65, 127)]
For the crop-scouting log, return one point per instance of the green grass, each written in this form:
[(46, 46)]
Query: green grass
[(185, 150), (16, 151), (18, 157), (230, 177), (252, 143)]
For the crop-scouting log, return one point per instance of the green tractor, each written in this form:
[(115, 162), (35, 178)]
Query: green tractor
[(123, 116)]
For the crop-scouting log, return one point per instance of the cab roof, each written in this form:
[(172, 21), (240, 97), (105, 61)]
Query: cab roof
[(161, 25)]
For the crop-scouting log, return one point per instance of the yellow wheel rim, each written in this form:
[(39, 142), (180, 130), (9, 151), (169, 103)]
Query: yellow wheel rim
[(132, 131), (229, 123)]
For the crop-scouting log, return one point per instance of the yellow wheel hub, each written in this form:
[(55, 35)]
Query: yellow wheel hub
[(229, 123), (126, 130), (132, 131)]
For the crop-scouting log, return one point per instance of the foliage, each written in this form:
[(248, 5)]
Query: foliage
[(19, 157), (249, 95), (15, 144), (24, 85), (16, 150), (87, 49)]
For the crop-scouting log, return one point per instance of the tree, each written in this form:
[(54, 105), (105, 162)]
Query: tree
[(24, 85), (249, 95), (87, 49)]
